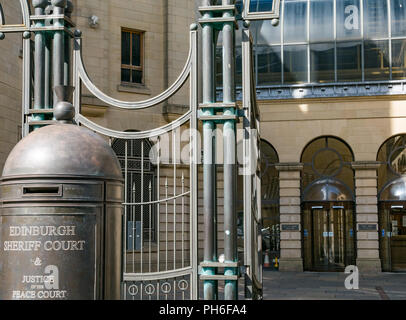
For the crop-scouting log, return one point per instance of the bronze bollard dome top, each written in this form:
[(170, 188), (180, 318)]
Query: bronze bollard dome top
[(62, 150)]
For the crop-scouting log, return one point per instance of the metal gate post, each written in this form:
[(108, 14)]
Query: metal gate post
[(209, 157), (219, 18), (229, 137), (58, 46), (67, 42), (39, 58)]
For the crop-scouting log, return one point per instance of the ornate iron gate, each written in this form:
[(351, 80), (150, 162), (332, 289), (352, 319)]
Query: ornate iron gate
[(160, 171), (160, 244)]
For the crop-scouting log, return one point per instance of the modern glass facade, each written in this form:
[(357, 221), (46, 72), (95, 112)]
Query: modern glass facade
[(331, 41)]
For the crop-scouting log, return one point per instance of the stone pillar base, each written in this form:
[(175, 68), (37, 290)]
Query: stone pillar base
[(291, 265), (369, 265)]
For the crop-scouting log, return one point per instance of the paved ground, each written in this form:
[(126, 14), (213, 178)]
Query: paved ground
[(330, 286)]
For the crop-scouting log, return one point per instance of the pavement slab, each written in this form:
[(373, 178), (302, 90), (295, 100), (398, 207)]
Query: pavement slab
[(330, 286)]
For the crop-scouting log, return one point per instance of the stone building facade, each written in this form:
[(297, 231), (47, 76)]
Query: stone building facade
[(333, 119)]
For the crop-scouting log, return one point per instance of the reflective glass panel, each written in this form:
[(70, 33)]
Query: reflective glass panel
[(348, 19), (295, 21), (327, 157), (136, 52), (347, 176), (341, 148), (376, 60), (322, 62), (398, 59), (137, 76), (321, 20), (125, 75), (397, 161), (265, 33), (375, 18), (219, 66), (349, 61), (261, 5), (238, 66), (385, 173), (239, 5), (326, 162), (269, 65), (295, 64), (398, 12), (125, 48), (269, 174)]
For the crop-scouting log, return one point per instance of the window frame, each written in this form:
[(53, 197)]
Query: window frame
[(131, 67), (261, 15)]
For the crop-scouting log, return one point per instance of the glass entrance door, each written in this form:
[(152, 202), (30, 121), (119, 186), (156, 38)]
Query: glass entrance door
[(393, 236), (328, 238)]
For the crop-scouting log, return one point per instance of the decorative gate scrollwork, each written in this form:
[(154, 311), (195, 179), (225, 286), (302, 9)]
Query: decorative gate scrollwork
[(160, 243), (160, 171)]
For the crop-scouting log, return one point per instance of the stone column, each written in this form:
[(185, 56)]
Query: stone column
[(367, 216), (290, 217)]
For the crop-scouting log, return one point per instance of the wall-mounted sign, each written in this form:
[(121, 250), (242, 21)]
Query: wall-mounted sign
[(290, 227), (367, 227)]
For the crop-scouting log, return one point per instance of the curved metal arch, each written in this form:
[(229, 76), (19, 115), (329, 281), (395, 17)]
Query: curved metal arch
[(24, 26), (133, 135), (157, 201), (25, 9), (266, 142), (161, 275), (325, 182), (2, 19), (396, 189), (179, 82), (403, 135)]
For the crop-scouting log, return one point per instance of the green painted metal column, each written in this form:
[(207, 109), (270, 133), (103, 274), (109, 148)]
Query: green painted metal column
[(229, 143), (210, 287)]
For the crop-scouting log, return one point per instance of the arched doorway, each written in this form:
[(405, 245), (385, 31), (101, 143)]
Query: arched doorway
[(328, 218), (270, 206), (392, 203)]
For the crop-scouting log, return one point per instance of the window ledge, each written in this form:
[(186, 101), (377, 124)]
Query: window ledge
[(132, 88)]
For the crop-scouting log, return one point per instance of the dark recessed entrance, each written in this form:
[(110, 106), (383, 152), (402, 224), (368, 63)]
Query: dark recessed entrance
[(392, 230), (328, 237), (392, 203), (327, 205)]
